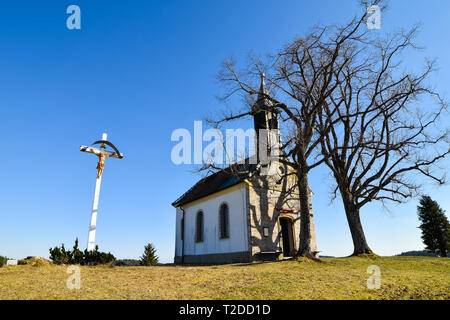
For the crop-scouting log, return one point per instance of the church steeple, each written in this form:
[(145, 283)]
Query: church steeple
[(263, 94), (264, 115), (265, 118)]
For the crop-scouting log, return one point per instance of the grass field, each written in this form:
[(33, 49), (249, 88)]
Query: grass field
[(335, 278)]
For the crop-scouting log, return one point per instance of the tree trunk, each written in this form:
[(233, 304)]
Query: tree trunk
[(356, 229), (305, 243)]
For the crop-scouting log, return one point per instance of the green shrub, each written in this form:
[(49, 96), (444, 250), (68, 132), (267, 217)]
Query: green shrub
[(3, 261), (149, 258), (60, 255), (96, 257), (76, 256)]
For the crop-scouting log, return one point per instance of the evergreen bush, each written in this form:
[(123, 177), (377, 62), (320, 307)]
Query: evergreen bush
[(76, 256), (435, 226), (149, 258), (3, 261)]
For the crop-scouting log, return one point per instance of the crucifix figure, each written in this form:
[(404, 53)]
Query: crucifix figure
[(102, 154)]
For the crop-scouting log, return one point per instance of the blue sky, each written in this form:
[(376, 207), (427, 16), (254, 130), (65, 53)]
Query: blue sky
[(139, 70)]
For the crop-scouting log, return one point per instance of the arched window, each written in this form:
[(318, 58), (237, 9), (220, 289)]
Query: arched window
[(199, 227), (224, 222)]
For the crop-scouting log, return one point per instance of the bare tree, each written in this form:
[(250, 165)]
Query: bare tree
[(344, 101), (380, 128)]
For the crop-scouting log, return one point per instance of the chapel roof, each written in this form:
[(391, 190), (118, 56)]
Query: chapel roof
[(216, 182)]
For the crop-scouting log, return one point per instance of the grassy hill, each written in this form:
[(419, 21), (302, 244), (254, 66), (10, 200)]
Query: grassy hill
[(335, 278)]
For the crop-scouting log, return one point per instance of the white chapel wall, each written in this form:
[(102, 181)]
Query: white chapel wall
[(237, 242)]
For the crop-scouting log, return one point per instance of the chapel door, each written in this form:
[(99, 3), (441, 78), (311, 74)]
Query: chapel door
[(287, 236)]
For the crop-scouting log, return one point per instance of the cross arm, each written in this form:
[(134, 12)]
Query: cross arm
[(98, 152)]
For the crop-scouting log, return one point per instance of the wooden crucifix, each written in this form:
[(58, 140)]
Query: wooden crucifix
[(102, 153)]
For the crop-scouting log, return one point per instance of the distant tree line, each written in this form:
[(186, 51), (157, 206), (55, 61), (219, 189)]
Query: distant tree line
[(148, 258), (417, 253)]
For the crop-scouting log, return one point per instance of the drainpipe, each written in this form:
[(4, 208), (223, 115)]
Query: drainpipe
[(183, 235)]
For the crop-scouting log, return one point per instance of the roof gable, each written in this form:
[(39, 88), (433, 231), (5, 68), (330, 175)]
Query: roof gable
[(216, 182)]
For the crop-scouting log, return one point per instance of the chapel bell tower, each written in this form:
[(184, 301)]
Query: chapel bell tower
[(265, 119)]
